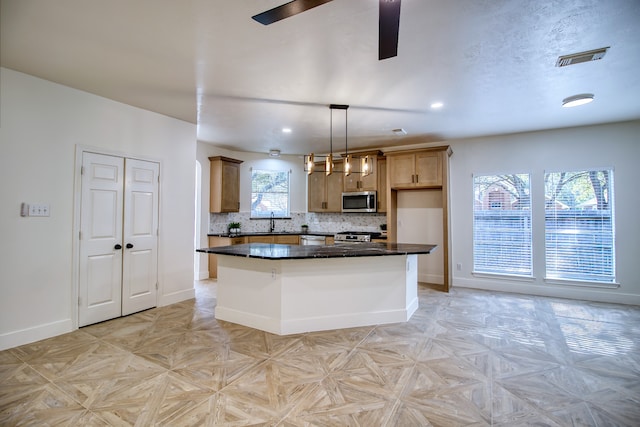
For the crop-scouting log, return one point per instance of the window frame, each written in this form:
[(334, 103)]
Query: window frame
[(285, 215), (583, 281), (524, 276)]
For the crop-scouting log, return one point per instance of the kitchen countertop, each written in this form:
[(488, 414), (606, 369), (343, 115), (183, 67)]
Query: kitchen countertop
[(272, 233), (278, 251)]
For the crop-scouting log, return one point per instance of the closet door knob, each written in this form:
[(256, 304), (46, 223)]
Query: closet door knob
[(129, 245), (117, 247)]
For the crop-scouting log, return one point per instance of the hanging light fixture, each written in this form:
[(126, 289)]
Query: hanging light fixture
[(348, 164)]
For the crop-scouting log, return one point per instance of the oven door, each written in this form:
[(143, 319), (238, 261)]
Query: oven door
[(362, 201)]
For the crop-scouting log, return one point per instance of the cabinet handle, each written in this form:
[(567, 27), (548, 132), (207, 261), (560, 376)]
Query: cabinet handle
[(129, 246), (117, 247), (417, 180)]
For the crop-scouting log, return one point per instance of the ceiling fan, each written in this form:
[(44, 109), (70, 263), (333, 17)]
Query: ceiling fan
[(389, 21)]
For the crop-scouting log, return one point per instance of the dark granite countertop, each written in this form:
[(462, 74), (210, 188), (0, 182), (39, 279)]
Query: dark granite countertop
[(273, 233), (278, 251)]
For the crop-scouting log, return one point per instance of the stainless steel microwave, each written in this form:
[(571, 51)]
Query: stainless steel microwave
[(360, 201)]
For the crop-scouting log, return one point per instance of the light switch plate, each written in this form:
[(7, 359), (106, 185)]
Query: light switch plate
[(38, 209)]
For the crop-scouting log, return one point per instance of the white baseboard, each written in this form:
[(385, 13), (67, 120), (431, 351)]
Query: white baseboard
[(557, 291), (35, 333), (435, 279), (176, 297)]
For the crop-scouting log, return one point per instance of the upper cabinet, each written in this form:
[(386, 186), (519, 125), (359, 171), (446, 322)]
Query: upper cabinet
[(357, 182), (325, 192), (225, 185), (417, 169)]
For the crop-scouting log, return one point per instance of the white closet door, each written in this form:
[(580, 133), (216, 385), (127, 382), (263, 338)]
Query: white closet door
[(140, 258), (100, 281)]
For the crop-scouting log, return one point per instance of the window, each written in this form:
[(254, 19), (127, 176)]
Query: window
[(269, 194), (502, 225), (579, 227)]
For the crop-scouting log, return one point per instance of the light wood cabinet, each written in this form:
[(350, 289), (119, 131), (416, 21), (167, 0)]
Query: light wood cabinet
[(421, 169), (382, 184), (225, 184), (357, 182), (220, 241), (283, 239), (325, 192), (287, 239), (424, 169), (260, 239)]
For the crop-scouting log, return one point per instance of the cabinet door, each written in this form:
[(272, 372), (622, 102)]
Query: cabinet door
[(230, 191), (288, 240), (316, 192), (382, 185), (370, 182), (334, 186), (428, 169), (261, 239), (352, 183), (401, 170)]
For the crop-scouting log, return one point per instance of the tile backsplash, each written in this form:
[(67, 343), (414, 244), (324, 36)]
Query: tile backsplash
[(317, 222)]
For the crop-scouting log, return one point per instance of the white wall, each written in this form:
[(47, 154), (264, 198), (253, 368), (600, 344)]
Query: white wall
[(41, 124), (613, 145)]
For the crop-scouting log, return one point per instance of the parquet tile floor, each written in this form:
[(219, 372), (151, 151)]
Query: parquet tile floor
[(467, 358)]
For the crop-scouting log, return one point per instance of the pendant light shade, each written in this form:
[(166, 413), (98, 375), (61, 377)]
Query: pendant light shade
[(350, 163)]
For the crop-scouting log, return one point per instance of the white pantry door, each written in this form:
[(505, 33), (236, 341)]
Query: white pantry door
[(118, 237), (100, 282), (140, 258)]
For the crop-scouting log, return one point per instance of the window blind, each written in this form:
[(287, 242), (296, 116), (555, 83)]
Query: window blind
[(579, 226), (502, 225)]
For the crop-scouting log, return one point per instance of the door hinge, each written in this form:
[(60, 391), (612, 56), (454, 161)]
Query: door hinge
[(79, 301), (81, 170), (156, 286), (79, 235)]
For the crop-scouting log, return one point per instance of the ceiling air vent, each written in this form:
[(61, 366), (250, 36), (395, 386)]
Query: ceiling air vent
[(577, 58)]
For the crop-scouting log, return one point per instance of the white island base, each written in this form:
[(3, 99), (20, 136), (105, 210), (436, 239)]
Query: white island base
[(289, 296)]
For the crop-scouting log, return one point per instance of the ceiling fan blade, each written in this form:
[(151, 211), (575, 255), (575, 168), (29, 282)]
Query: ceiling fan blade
[(287, 10), (389, 26)]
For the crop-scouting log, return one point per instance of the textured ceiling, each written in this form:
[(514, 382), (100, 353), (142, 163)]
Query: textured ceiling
[(491, 62)]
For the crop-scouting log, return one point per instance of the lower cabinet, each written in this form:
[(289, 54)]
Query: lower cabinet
[(285, 239), (220, 241)]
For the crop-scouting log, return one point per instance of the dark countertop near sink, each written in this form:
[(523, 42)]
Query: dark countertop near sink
[(273, 233), (278, 251)]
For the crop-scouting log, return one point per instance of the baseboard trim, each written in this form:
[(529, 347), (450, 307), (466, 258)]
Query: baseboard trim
[(555, 291), (35, 333), (175, 297)]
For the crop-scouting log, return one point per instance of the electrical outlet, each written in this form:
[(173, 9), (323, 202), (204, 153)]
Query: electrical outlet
[(459, 266)]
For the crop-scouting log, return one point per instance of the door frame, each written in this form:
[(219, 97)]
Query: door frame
[(77, 204)]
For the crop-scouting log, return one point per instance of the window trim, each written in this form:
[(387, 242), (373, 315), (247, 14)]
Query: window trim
[(528, 277), (268, 217)]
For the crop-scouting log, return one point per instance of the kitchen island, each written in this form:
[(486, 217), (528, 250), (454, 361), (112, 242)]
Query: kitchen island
[(288, 289)]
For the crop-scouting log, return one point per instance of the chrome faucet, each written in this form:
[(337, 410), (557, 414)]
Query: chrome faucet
[(272, 223)]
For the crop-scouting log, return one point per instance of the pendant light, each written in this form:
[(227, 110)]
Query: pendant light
[(348, 164)]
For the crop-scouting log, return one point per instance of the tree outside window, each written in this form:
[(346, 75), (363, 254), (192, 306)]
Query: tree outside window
[(269, 194), (502, 225), (579, 226)]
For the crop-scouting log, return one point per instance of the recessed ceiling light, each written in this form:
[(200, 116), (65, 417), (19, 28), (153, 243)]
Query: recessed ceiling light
[(274, 153), (286, 130), (575, 100), (437, 105)]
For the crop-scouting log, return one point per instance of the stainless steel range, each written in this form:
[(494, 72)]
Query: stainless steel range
[(354, 236)]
